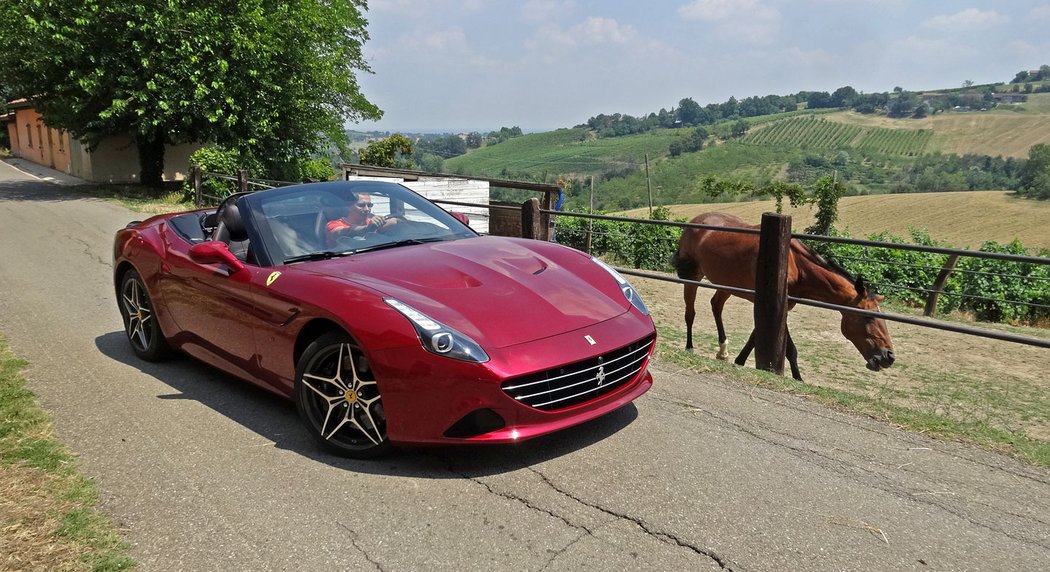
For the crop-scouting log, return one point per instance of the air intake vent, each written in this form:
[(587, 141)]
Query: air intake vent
[(582, 381)]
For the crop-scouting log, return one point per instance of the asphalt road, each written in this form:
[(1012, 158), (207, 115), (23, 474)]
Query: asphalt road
[(202, 472)]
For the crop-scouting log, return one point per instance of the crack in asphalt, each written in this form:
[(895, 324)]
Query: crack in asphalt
[(874, 478), (564, 549), (357, 547), (665, 537), (88, 248)]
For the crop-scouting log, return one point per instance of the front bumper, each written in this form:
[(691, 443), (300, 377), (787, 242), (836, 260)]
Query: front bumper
[(430, 399)]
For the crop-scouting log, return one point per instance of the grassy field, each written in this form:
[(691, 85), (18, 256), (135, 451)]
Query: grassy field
[(875, 141), (562, 152), (49, 518), (961, 219), (1009, 130)]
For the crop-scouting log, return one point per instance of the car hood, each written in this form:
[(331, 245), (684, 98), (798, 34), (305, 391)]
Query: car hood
[(499, 291)]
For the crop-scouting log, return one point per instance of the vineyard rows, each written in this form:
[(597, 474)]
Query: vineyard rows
[(809, 132)]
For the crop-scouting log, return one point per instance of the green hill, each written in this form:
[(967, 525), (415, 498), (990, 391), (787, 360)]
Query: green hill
[(870, 152)]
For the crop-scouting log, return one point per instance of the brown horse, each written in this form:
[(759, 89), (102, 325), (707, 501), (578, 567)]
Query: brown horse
[(729, 259)]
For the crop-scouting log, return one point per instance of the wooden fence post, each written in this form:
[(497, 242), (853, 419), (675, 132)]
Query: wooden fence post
[(242, 180), (771, 302), (198, 193), (531, 221), (547, 219), (938, 285)]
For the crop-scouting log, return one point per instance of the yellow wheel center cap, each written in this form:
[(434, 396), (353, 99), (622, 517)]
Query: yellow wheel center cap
[(350, 396)]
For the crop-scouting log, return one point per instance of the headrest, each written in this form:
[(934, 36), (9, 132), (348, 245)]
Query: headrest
[(231, 219)]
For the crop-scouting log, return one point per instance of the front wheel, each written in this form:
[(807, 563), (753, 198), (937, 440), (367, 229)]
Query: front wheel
[(140, 319), (338, 398)]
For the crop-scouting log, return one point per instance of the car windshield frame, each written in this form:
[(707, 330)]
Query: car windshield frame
[(286, 224)]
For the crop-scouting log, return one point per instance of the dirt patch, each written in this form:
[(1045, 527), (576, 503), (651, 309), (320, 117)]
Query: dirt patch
[(999, 384)]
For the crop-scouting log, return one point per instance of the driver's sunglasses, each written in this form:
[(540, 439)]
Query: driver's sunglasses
[(364, 205)]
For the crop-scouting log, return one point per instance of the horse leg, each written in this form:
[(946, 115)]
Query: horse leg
[(689, 293), (718, 301), (792, 357), (741, 359)]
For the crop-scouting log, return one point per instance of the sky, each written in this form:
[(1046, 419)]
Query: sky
[(478, 65)]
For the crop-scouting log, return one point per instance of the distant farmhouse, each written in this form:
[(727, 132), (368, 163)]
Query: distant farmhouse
[(115, 160), (1010, 97)]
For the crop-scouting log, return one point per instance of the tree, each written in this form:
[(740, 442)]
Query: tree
[(740, 127), (1035, 175), (394, 151), (275, 80), (843, 96), (688, 112)]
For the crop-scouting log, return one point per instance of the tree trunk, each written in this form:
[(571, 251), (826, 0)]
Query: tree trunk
[(151, 159)]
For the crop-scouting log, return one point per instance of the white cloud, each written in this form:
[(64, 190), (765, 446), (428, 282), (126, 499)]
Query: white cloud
[(546, 10), (604, 31), (969, 19), (812, 58), (1030, 51), (747, 21), (1040, 12), (402, 7), (711, 10)]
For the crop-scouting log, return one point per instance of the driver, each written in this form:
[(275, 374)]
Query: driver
[(359, 220)]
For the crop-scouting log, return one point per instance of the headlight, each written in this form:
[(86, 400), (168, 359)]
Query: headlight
[(438, 338), (629, 292)]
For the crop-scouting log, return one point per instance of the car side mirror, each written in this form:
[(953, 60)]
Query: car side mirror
[(215, 252), (462, 217)]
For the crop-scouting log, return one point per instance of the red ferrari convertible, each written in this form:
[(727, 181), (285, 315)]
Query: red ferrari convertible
[(384, 317)]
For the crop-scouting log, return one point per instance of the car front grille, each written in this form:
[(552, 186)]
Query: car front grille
[(575, 383)]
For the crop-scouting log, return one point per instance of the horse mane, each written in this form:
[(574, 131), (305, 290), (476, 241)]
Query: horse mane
[(830, 263)]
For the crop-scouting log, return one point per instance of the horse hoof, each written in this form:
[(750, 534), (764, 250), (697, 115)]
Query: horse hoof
[(723, 357)]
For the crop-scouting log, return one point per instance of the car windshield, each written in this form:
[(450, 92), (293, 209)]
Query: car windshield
[(325, 220)]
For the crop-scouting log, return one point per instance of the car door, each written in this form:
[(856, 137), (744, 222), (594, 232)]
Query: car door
[(212, 305)]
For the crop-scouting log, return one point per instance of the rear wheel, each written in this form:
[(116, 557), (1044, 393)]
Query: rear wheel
[(338, 398), (140, 319)]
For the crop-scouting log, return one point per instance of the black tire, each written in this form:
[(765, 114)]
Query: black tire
[(338, 398), (140, 320)]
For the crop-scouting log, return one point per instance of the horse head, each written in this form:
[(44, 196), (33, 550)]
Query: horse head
[(868, 334)]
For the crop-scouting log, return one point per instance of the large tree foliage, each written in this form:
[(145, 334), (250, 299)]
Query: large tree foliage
[(267, 78), (394, 151), (1035, 176)]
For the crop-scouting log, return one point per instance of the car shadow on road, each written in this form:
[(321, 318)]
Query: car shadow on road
[(275, 419)]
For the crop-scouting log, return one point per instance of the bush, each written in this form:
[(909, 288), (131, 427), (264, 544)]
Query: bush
[(215, 159), (639, 245), (992, 290)]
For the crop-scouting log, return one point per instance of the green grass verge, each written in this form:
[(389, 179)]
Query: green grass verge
[(27, 444), (925, 412), (139, 198)]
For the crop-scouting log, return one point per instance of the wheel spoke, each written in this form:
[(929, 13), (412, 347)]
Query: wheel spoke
[(351, 405), (139, 314)]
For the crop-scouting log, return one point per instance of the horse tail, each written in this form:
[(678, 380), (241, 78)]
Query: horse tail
[(684, 266)]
